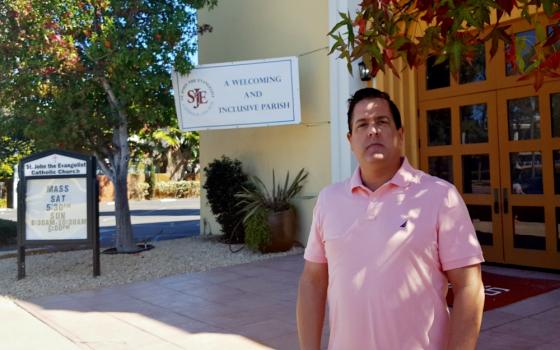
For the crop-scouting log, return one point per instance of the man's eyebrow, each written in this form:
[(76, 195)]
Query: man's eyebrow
[(361, 119), (375, 117)]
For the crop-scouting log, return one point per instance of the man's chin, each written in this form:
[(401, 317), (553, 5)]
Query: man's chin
[(375, 158)]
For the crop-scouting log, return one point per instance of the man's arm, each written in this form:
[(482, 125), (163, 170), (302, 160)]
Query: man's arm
[(468, 303), (312, 297)]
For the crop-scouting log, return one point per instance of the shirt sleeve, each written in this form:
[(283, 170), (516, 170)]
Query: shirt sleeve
[(457, 242), (315, 248)]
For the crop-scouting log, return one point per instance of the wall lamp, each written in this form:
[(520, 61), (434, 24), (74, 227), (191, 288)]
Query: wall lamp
[(364, 71)]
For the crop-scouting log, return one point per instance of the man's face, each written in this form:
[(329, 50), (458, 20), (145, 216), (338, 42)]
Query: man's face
[(374, 138)]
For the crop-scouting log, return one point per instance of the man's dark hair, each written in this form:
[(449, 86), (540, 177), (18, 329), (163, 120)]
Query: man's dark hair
[(369, 93)]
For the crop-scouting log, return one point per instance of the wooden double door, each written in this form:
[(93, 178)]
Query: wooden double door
[(502, 151), (498, 142)]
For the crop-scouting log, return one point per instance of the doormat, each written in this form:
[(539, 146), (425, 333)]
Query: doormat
[(503, 290)]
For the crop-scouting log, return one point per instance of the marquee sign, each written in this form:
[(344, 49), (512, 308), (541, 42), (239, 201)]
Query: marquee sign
[(238, 94), (57, 195), (56, 209)]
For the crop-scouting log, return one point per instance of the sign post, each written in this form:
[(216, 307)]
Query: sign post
[(57, 203)]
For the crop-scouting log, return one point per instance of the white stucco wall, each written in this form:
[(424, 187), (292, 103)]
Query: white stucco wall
[(259, 29)]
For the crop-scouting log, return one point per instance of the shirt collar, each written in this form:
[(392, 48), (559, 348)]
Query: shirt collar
[(402, 178)]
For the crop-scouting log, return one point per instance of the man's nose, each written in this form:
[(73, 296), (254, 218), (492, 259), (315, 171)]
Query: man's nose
[(373, 129)]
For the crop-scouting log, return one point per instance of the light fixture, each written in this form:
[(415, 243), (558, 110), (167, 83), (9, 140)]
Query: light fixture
[(364, 71)]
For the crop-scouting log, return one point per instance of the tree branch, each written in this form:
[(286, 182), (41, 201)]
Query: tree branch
[(101, 162), (113, 101)]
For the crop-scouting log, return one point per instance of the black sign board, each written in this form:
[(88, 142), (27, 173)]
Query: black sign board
[(57, 203)]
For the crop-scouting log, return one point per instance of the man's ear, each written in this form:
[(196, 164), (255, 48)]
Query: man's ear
[(349, 136)]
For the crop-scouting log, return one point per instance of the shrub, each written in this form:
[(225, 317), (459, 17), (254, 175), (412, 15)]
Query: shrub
[(224, 178), (139, 190), (257, 231), (3, 203), (152, 181), (8, 232), (178, 189)]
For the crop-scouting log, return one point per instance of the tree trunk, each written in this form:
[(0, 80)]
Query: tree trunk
[(175, 164), (119, 157), (125, 241)]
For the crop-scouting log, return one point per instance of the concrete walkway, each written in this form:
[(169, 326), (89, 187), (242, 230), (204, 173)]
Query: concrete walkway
[(249, 306)]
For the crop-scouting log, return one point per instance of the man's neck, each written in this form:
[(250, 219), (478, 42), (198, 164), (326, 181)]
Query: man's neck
[(375, 175)]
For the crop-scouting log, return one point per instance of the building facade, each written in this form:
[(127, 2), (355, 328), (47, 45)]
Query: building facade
[(494, 137)]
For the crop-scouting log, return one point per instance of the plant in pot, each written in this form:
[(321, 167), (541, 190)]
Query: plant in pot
[(269, 218)]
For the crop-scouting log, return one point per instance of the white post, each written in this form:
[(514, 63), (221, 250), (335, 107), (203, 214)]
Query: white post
[(342, 86), (14, 188)]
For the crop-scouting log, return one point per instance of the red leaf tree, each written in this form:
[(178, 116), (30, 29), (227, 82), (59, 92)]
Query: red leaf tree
[(383, 31)]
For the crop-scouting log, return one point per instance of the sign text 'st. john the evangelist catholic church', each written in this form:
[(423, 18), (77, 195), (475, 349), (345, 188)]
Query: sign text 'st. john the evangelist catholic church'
[(55, 165)]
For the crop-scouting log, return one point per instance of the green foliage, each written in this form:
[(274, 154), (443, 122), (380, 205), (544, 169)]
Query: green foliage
[(84, 75), (12, 150), (257, 197), (3, 203), (257, 231), (169, 147), (8, 232), (152, 181), (388, 30), (61, 60), (225, 178), (177, 189), (139, 191)]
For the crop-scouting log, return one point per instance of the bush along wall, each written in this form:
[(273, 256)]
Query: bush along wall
[(142, 188), (225, 178), (177, 189)]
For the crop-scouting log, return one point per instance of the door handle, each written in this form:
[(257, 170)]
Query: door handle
[(506, 200), (496, 201)]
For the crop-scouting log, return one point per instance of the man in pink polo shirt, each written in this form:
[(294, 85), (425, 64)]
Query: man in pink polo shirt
[(383, 246)]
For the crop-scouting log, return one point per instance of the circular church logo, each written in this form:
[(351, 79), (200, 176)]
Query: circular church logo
[(197, 97)]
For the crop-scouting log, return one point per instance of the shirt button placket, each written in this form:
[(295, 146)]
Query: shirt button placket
[(373, 208)]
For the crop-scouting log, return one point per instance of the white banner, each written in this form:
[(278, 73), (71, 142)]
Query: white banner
[(55, 165), (238, 94), (56, 209)]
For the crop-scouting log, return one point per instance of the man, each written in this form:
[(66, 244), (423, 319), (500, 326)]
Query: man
[(383, 246)]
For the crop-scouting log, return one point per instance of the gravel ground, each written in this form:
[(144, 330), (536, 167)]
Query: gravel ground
[(65, 272)]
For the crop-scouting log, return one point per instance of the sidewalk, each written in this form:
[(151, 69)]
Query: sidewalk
[(250, 306), (17, 324)]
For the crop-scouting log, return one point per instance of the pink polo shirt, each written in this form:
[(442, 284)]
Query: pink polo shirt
[(387, 252)]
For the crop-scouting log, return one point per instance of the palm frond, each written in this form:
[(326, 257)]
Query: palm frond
[(252, 199)]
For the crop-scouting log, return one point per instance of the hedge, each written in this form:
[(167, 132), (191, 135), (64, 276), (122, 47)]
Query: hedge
[(177, 189)]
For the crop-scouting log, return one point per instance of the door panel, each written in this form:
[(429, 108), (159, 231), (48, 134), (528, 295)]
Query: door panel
[(435, 81), (524, 34), (459, 143), (528, 177)]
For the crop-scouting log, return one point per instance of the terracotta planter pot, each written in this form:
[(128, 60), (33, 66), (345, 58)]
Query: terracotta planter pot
[(282, 230)]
